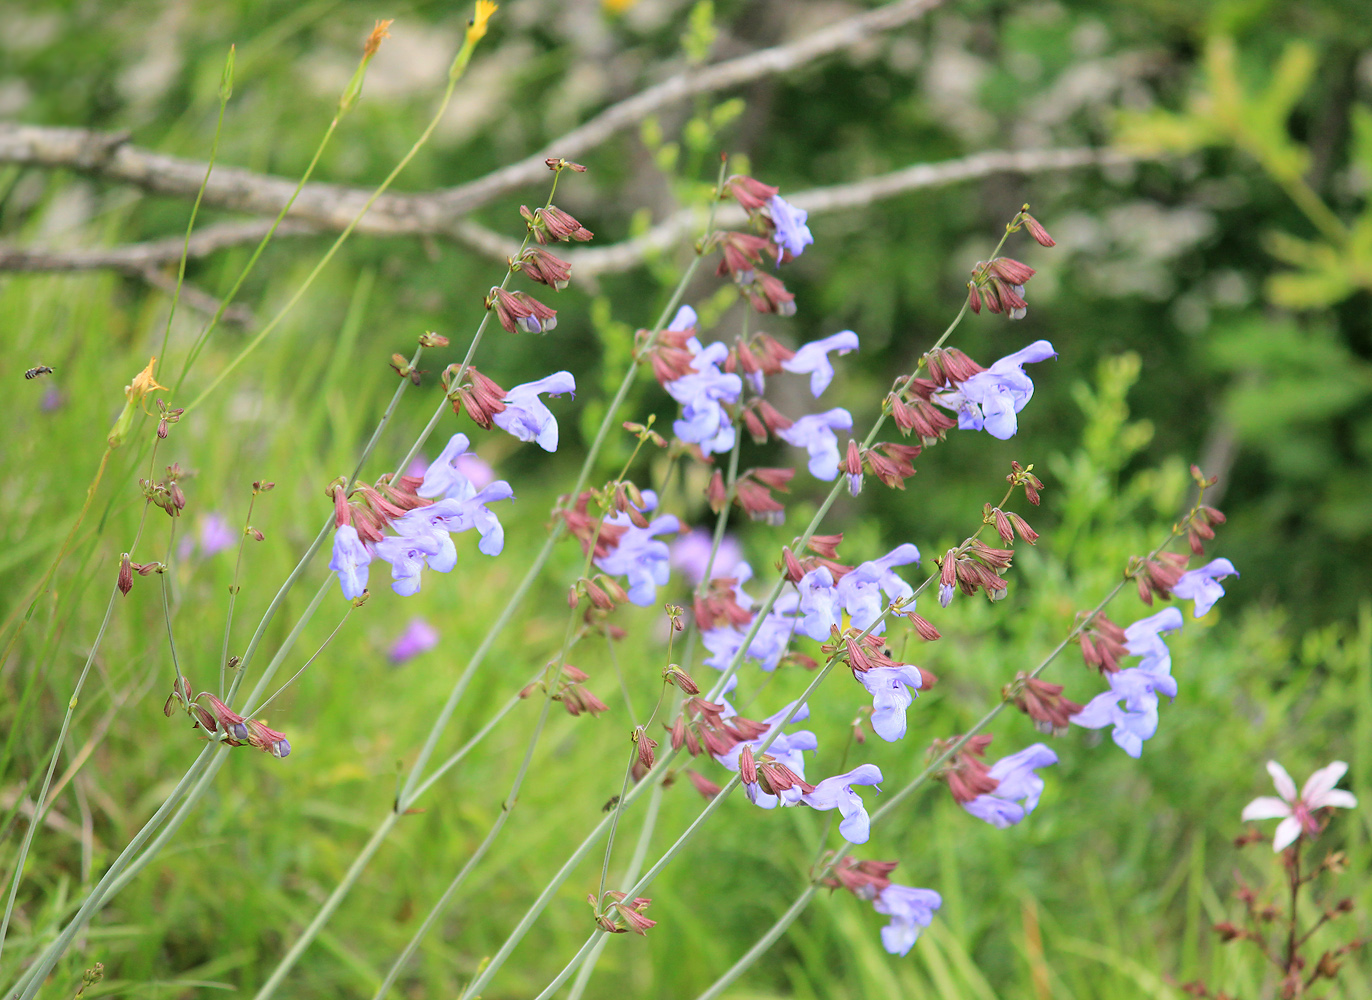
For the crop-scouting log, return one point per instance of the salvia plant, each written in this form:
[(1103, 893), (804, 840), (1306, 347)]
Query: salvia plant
[(813, 607)]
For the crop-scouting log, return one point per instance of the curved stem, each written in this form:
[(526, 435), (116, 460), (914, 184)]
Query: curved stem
[(32, 980), (381, 189)]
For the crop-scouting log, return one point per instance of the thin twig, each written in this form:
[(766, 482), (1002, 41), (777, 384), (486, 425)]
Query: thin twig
[(333, 206), (137, 258)]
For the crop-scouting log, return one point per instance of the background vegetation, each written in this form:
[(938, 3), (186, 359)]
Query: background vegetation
[(1210, 303)]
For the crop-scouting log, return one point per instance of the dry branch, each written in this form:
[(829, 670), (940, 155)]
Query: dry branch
[(137, 258), (333, 206)]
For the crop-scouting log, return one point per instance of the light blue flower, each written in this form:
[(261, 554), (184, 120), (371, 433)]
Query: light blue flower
[(526, 417), (910, 911), (408, 556), (837, 793), (787, 749), (1130, 707), (815, 433), (1144, 639), (350, 561), (892, 690), (791, 232), (701, 395), (813, 358), (1019, 789), (445, 476), (1202, 585), (990, 399), (639, 557)]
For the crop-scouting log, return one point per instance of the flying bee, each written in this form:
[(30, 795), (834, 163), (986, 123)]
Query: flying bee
[(38, 370)]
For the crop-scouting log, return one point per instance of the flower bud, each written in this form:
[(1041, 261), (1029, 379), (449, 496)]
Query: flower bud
[(707, 788), (747, 767), (1036, 229), (125, 574)]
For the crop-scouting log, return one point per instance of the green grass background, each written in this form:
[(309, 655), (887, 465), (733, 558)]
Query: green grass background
[(1108, 890)]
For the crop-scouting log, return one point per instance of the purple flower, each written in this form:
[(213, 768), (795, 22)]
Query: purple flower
[(791, 234), (526, 417), (1144, 639), (773, 635), (350, 561), (215, 535), (1019, 789), (691, 553), (892, 690), (822, 602), (419, 637), (408, 554), (814, 358), (860, 591), (703, 418), (456, 473), (684, 319), (787, 748), (1136, 720), (815, 433), (640, 557), (910, 910), (837, 793), (990, 399), (1202, 585), (452, 515)]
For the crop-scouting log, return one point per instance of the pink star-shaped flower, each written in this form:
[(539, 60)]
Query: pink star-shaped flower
[(1297, 812)]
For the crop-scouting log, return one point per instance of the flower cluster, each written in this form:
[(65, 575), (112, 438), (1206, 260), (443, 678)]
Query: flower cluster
[(910, 909), (519, 412), (423, 514)]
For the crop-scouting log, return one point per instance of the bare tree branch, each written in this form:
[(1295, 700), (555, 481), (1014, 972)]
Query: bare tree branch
[(136, 258), (678, 227), (144, 260), (333, 206)]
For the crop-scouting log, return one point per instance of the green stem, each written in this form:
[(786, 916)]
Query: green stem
[(41, 802), (233, 594), (645, 839), (32, 980), (195, 211), (334, 247), (413, 786)]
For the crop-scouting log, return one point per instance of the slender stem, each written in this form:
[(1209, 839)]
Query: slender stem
[(466, 748), (414, 786), (32, 980), (614, 826), (1295, 876), (195, 210), (573, 965), (41, 802), (645, 839), (305, 666), (166, 617), (330, 905), (334, 247), (251, 705), (233, 593), (385, 421)]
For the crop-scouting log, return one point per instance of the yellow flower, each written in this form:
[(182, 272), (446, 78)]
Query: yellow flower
[(143, 383), (477, 29)]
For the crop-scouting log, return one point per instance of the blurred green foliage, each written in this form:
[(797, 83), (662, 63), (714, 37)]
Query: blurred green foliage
[(1205, 308)]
